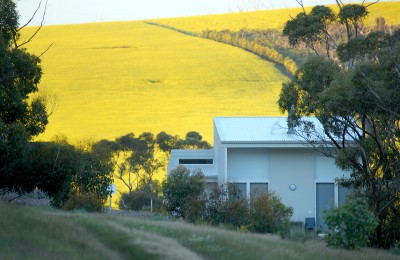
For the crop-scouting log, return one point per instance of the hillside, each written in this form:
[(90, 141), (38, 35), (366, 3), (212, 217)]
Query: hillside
[(270, 19), (33, 233), (115, 78)]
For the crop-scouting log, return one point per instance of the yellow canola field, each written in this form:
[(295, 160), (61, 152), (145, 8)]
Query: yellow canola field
[(270, 19), (115, 78)]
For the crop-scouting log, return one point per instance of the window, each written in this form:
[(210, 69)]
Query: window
[(257, 189), (195, 161), (237, 190)]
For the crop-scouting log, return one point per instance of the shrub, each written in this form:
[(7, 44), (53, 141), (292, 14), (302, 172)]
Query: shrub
[(195, 209), (268, 214), (135, 200), (87, 201), (236, 212), (140, 199), (180, 190), (350, 225), (214, 212), (224, 205)]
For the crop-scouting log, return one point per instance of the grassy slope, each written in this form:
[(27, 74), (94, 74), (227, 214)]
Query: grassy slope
[(270, 19), (30, 233), (116, 78)]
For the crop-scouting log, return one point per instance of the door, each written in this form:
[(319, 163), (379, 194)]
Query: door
[(325, 198)]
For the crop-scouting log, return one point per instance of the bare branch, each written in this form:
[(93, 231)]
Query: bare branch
[(33, 16), (46, 50), (37, 30), (300, 2), (372, 3), (339, 4), (56, 159)]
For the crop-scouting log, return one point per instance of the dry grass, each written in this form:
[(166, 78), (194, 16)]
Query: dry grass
[(32, 233), (156, 244)]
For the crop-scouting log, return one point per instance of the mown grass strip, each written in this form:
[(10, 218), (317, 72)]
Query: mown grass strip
[(32, 233)]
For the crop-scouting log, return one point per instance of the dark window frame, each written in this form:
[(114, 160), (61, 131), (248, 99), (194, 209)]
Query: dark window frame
[(196, 161)]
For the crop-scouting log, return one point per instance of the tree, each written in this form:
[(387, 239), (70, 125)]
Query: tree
[(351, 225), (354, 93), (137, 159), (181, 189), (21, 118), (61, 170), (193, 140)]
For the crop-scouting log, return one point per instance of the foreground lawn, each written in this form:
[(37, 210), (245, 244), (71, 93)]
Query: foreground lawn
[(33, 233)]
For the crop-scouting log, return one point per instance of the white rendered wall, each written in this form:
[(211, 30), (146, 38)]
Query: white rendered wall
[(247, 164), (294, 166), (326, 169), (220, 157)]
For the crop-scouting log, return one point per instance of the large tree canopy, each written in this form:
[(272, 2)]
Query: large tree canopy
[(21, 115), (137, 159), (354, 91)]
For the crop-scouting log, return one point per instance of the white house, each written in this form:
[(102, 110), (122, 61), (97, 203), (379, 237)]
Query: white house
[(260, 153)]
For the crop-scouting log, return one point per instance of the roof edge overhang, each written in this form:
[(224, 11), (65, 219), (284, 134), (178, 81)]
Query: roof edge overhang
[(269, 144)]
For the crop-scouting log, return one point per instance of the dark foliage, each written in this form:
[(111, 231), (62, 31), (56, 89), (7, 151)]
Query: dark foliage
[(180, 190), (356, 99)]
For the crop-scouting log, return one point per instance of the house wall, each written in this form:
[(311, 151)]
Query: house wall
[(294, 166), (188, 154), (248, 164), (326, 169), (220, 157)]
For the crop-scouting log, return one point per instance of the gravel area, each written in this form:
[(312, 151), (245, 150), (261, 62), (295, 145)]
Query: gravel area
[(35, 198), (131, 213)]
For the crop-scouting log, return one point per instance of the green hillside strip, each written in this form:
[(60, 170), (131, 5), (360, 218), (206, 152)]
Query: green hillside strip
[(37, 233)]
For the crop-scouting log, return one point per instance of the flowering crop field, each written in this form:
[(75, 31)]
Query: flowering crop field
[(270, 19), (111, 79), (114, 78)]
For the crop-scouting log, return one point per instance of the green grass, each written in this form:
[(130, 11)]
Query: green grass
[(37, 233)]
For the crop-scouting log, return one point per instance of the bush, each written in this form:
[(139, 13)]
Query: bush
[(236, 212), (194, 211), (180, 190), (350, 225), (87, 201), (140, 199), (214, 212), (134, 200), (224, 205), (269, 215)]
